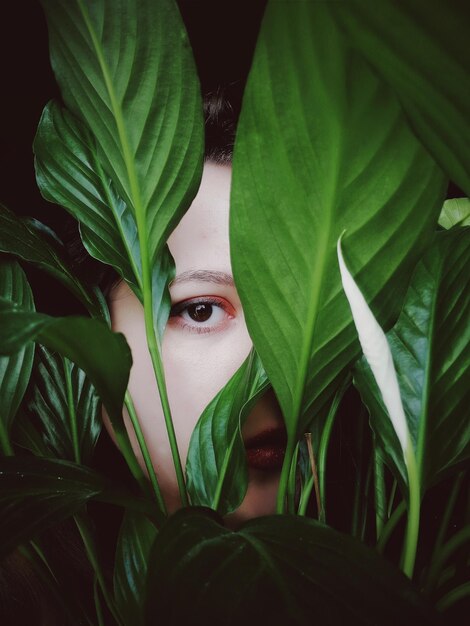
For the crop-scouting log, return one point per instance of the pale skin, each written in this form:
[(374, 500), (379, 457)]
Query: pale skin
[(202, 346)]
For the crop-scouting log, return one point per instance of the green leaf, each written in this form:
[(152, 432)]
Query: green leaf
[(50, 403), (276, 570), (15, 369), (430, 344), (102, 354), (216, 466), (422, 51), (34, 242), (38, 493), (135, 541), (322, 146), (126, 71), (455, 212)]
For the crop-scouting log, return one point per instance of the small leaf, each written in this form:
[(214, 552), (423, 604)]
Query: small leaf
[(455, 212), (430, 344), (35, 243), (216, 466), (15, 369), (135, 541), (276, 570)]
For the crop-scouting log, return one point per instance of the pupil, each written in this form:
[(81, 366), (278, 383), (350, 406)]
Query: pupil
[(200, 312)]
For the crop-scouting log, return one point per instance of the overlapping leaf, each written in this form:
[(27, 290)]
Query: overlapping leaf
[(322, 146), (276, 570), (455, 212), (136, 538), (34, 242), (102, 354), (430, 345), (50, 404), (421, 50), (216, 466), (146, 123), (15, 369)]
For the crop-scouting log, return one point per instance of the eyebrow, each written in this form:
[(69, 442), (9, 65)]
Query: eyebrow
[(204, 276)]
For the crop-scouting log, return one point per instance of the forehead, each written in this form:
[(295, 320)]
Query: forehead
[(201, 240)]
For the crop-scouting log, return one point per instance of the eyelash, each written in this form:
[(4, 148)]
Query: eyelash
[(180, 307)]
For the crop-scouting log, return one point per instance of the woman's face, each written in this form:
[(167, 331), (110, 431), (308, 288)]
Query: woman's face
[(205, 342)]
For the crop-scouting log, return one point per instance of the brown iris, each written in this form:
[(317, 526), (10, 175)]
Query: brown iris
[(200, 312)]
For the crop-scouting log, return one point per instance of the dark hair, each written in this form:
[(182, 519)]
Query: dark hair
[(221, 111)]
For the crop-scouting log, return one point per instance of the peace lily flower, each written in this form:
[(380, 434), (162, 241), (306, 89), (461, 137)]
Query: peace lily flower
[(379, 357)]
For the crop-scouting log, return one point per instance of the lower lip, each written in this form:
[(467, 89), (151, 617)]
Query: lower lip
[(266, 450)]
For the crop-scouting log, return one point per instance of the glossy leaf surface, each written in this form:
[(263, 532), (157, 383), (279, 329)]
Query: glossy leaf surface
[(276, 570), (34, 242), (135, 541), (51, 404), (216, 466), (15, 369), (146, 125), (102, 354), (322, 146), (421, 50), (455, 212), (430, 345)]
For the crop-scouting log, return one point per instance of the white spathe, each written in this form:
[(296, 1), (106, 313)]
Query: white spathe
[(377, 352)]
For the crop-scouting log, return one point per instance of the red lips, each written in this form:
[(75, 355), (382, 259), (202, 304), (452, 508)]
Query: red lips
[(265, 451)]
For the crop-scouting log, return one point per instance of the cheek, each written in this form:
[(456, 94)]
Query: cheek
[(196, 368)]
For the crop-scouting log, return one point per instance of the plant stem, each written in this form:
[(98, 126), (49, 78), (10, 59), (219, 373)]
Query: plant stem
[(160, 376), (96, 597), (72, 411), (379, 488), (454, 543), (90, 549), (145, 452), (392, 497), (313, 466), (281, 494), (305, 496), (5, 444), (389, 527), (446, 519), (292, 482), (453, 596), (414, 505)]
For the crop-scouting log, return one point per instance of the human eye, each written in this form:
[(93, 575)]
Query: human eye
[(206, 314)]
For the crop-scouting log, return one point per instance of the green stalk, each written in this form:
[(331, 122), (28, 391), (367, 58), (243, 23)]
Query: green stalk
[(90, 549), (389, 527), (96, 598), (305, 496), (459, 539), (379, 488), (445, 521), (414, 505), (453, 596), (283, 482), (5, 444), (392, 497), (140, 216), (145, 452), (325, 442), (72, 411), (291, 483)]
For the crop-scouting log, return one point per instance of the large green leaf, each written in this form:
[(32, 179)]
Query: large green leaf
[(216, 466), (421, 49), (34, 242), (125, 69), (135, 541), (60, 412), (102, 354), (15, 369), (322, 146), (430, 345), (276, 570)]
